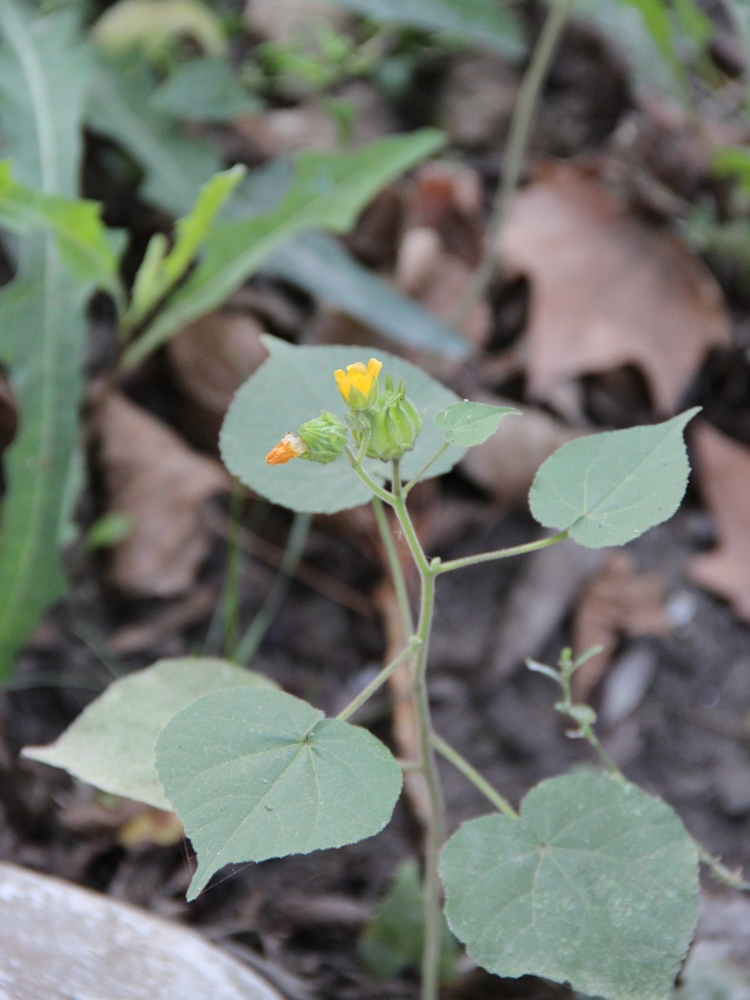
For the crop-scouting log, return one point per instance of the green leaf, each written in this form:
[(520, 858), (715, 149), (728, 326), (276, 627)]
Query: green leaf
[(394, 940), (609, 488), (467, 424), (293, 386), (481, 23), (44, 72), (325, 269), (328, 190), (260, 774), (175, 164), (160, 271), (595, 884), (76, 225), (111, 743), (204, 90)]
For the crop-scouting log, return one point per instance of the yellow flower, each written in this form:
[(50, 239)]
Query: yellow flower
[(358, 384), (289, 447)]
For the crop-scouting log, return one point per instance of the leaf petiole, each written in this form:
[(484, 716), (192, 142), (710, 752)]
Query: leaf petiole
[(462, 765), (377, 682), (516, 550)]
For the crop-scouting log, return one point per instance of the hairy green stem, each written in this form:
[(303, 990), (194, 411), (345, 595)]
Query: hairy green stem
[(433, 927), (366, 478), (516, 550), (515, 153), (366, 693), (462, 765)]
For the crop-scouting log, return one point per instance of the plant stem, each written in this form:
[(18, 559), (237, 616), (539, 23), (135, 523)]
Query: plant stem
[(394, 563), (462, 765), (516, 550), (366, 478), (515, 152), (433, 928), (414, 643)]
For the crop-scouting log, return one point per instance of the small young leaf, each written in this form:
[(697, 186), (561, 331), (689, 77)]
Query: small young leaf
[(609, 488), (160, 271), (394, 939), (467, 424), (596, 884), (111, 743), (293, 386), (260, 774)]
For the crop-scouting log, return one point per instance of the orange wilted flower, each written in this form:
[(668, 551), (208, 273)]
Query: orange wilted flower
[(289, 447), (358, 384)]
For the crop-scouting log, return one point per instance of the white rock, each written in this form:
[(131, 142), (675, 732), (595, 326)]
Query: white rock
[(61, 942)]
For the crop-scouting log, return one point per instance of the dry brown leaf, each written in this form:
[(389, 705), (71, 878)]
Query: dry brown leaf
[(438, 280), (608, 289), (619, 601), (723, 472), (153, 476), (211, 358)]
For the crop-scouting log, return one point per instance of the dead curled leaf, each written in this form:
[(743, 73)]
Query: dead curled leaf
[(619, 601), (152, 475), (723, 472), (607, 289)]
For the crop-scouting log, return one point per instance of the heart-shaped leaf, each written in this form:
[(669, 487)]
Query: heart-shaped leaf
[(609, 488), (260, 774), (467, 424), (596, 884), (111, 743), (293, 386)]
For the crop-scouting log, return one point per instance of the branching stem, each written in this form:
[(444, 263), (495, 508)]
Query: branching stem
[(516, 550)]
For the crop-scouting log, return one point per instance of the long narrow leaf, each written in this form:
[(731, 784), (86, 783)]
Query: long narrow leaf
[(44, 71)]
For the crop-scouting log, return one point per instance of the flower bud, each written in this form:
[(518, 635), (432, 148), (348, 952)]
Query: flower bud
[(324, 438), (394, 423), (288, 448)]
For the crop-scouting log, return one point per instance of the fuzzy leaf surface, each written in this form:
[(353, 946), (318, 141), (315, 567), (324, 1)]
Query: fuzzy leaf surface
[(111, 743), (293, 386), (596, 884), (328, 190), (259, 774), (467, 424), (609, 488)]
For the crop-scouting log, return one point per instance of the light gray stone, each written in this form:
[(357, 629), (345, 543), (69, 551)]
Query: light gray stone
[(61, 942)]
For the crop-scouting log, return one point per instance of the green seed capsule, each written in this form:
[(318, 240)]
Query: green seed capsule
[(324, 438)]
